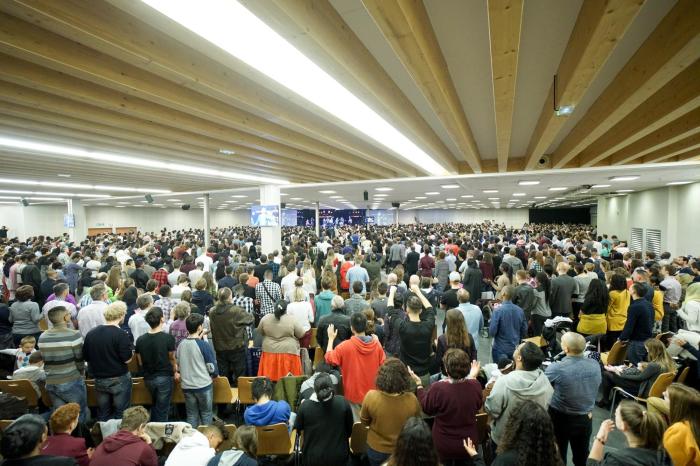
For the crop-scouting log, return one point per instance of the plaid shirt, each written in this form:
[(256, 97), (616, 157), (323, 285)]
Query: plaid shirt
[(267, 298), (275, 268), (161, 276), (247, 305), (166, 305)]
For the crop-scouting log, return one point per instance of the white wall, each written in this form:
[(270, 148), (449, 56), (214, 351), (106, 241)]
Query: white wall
[(152, 220), (511, 217), (23, 222), (675, 210)]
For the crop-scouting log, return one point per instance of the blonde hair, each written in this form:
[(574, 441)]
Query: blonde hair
[(115, 311), (658, 354)]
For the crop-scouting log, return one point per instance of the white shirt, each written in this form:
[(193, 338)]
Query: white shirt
[(302, 312), (195, 275), (204, 259), (176, 292), (173, 276), (138, 325), (91, 316), (287, 283), (55, 303), (192, 450)]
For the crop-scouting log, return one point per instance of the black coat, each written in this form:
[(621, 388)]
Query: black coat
[(472, 283)]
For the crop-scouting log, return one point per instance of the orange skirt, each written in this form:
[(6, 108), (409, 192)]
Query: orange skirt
[(277, 365)]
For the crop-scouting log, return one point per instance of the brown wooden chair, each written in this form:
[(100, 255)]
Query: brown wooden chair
[(4, 423), (20, 388), (223, 392), (538, 340), (43, 325), (245, 390), (319, 356), (314, 341), (227, 444), (683, 375), (91, 394), (140, 395), (133, 366), (482, 427), (178, 394), (45, 398), (274, 440), (358, 438), (657, 390), (615, 356)]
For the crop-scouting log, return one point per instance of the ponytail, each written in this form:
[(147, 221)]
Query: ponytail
[(648, 427), (280, 309), (323, 387), (224, 295)]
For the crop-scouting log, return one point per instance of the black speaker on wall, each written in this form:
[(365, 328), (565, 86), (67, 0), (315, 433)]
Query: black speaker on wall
[(24, 202), (185, 207), (395, 204), (149, 198), (365, 196), (283, 205)]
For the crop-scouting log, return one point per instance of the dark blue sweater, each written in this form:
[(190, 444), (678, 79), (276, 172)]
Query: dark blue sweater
[(640, 321)]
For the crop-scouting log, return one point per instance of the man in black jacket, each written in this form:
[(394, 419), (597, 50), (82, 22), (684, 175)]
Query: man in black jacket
[(524, 294), (339, 319), (139, 276), (639, 325)]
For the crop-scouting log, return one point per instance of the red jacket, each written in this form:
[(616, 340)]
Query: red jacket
[(359, 363), (67, 445), (124, 449), (344, 284)]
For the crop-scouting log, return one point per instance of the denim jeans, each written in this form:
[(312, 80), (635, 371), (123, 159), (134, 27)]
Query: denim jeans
[(69, 392), (113, 396), (161, 388), (376, 458), (497, 354), (198, 407)]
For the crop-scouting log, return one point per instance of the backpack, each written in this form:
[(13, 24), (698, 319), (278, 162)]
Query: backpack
[(12, 407)]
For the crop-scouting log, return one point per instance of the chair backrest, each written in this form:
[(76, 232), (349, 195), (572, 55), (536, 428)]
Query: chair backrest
[(274, 440), (617, 354), (222, 391), (178, 394), (482, 426), (661, 384), (245, 390), (314, 341), (21, 388), (45, 398), (43, 325), (227, 444), (4, 423), (358, 438), (683, 375), (140, 395), (319, 357), (133, 366), (91, 394)]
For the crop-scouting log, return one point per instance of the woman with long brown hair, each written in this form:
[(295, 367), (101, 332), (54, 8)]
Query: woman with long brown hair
[(682, 438), (114, 278), (455, 336)]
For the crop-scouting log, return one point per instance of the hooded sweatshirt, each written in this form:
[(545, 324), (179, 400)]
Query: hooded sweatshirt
[(192, 450), (323, 305), (359, 362), (272, 412), (124, 449), (632, 457), (512, 389), (232, 458)]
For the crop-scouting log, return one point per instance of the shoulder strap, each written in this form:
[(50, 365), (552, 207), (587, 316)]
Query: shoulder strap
[(269, 295)]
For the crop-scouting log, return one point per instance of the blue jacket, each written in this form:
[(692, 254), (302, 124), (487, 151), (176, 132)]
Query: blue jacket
[(272, 412), (640, 321), (507, 327)]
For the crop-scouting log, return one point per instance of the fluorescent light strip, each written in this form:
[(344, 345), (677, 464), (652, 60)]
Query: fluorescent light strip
[(41, 147), (44, 193), (234, 29), (53, 184)]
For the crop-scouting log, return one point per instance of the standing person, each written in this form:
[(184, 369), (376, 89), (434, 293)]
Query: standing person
[(441, 271), (507, 327), (92, 315), (357, 273), (473, 317), (564, 288), (137, 322), (449, 297), (414, 446), (576, 380), (595, 305), (280, 347), (541, 312), (62, 350), (31, 275), (267, 293), (386, 409), (175, 274), (639, 325), (690, 311), (416, 332), (526, 382), (178, 328), (156, 355), (672, 296), (524, 296), (453, 403), (426, 263), (197, 365), (473, 281), (326, 422), (166, 303), (359, 359), (130, 445), (25, 315), (618, 304), (229, 327), (324, 299), (107, 351), (139, 276), (340, 320), (60, 291)]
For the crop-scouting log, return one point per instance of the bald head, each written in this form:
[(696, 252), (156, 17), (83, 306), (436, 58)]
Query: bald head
[(414, 280), (573, 343)]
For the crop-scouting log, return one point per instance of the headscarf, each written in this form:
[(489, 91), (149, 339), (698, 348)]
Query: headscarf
[(692, 293)]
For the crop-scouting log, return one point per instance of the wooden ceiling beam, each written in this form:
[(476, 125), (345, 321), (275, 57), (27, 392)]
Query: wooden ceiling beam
[(661, 139), (125, 38), (678, 97), (36, 77), (672, 150), (406, 26), (31, 127), (22, 96), (670, 48), (599, 27), (505, 21), (27, 42), (342, 54), (688, 156)]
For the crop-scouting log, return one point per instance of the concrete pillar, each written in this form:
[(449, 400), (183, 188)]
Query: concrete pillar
[(317, 223), (207, 241), (271, 237), (77, 218), (396, 216)]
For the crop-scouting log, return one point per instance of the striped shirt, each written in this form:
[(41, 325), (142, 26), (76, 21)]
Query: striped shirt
[(62, 350), (247, 305)]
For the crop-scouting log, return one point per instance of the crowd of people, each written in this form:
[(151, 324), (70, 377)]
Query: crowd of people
[(394, 316)]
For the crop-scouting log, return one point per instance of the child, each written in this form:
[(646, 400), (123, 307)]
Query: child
[(26, 348), (34, 372), (197, 365)]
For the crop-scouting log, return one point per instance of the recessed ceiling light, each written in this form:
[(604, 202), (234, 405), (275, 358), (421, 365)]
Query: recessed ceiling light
[(451, 199), (519, 194), (600, 186), (226, 151), (174, 200), (63, 175), (327, 191), (540, 197), (528, 183), (384, 189), (564, 110), (449, 186), (678, 183), (494, 198), (467, 195), (558, 188), (432, 193), (380, 195), (490, 191), (240, 196), (421, 197), (624, 178), (123, 202), (625, 191), (297, 198)]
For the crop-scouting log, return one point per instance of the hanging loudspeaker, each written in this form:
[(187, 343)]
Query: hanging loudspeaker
[(185, 207), (365, 196), (149, 198), (283, 205), (395, 204)]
